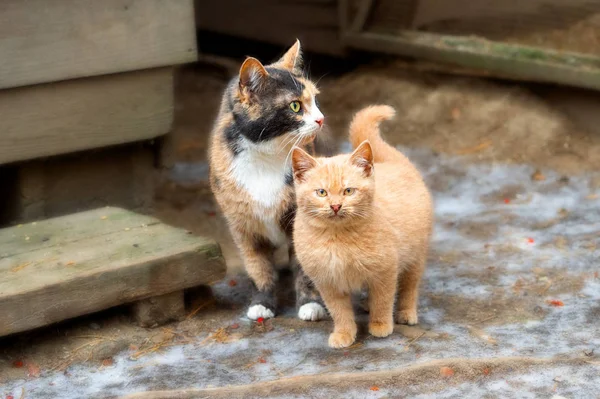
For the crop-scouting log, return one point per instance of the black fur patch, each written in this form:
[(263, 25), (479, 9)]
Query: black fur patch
[(262, 244), (287, 220), (289, 178), (275, 116)]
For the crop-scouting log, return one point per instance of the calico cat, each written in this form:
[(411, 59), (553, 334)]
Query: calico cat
[(265, 112), (363, 220)]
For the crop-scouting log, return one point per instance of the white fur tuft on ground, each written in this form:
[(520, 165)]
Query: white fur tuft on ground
[(256, 311), (311, 311)]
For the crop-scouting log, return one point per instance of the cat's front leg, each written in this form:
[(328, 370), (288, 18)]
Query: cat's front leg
[(381, 304), (339, 305), (408, 293), (308, 300), (257, 253)]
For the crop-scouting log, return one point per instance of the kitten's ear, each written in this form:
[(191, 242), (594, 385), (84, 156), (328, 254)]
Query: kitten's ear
[(292, 59), (363, 157), (252, 74), (302, 162)]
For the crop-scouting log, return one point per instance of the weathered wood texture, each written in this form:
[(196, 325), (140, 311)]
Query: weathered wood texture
[(52, 40), (122, 176), (58, 118), (314, 22), (157, 310), (74, 265)]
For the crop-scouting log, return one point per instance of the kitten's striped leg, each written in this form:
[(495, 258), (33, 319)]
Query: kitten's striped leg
[(408, 293), (340, 307), (308, 301), (381, 304), (257, 253)]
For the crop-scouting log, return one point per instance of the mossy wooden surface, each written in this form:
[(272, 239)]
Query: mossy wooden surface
[(74, 265), (498, 59)]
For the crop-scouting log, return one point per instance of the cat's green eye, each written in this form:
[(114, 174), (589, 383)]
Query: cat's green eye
[(321, 193), (349, 191), (295, 106)]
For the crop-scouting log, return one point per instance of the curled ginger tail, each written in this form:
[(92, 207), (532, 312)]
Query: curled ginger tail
[(365, 126)]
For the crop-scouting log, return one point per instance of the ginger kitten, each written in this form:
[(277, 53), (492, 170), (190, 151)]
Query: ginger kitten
[(264, 113), (363, 220)]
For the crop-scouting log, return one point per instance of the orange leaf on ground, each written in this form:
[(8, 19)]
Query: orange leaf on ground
[(446, 371), (108, 362), (456, 113), (374, 388), (33, 370), (555, 302)]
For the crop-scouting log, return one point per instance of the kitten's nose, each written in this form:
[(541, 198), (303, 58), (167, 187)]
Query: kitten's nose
[(336, 208), (320, 121)]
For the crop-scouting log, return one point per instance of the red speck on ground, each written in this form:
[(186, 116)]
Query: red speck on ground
[(234, 326), (555, 302), (10, 397), (261, 360), (211, 214), (374, 388), (486, 371), (232, 283), (530, 240), (507, 200), (260, 320), (446, 372), (18, 364)]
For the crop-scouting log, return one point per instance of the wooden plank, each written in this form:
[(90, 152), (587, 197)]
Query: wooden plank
[(80, 114), (122, 176), (498, 59), (93, 263), (52, 40), (315, 23)]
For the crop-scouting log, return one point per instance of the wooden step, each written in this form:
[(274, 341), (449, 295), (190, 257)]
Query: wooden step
[(80, 114), (53, 40), (74, 265)]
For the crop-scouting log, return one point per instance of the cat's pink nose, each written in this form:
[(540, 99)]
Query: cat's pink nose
[(336, 208), (320, 121)]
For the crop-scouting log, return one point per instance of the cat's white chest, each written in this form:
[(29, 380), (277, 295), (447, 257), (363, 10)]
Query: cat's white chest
[(263, 178)]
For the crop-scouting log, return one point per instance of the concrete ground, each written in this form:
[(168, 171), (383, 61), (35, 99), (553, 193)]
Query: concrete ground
[(510, 302)]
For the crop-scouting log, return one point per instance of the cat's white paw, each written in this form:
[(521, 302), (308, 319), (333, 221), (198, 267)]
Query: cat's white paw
[(311, 311), (256, 311)]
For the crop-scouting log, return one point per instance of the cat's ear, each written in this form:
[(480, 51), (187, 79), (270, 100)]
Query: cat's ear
[(302, 162), (252, 74), (292, 59), (363, 158)]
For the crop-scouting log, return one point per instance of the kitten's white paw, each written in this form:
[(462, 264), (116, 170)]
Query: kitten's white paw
[(256, 311), (311, 311)]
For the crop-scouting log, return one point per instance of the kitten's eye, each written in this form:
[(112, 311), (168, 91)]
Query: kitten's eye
[(349, 191), (295, 106), (321, 193)]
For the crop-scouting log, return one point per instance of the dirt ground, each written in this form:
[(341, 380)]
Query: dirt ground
[(509, 302)]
